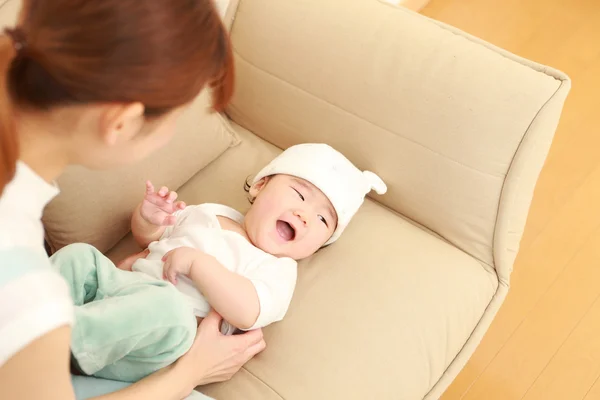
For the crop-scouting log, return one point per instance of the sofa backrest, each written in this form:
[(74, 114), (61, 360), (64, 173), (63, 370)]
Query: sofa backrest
[(457, 128)]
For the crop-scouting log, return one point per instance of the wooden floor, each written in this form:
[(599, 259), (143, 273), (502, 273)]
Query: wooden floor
[(545, 342)]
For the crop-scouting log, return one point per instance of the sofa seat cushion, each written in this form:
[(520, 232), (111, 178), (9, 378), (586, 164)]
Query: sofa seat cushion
[(388, 305)]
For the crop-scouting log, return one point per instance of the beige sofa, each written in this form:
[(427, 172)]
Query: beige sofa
[(459, 130)]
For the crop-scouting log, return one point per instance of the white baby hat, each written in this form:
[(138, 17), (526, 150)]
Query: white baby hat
[(345, 185)]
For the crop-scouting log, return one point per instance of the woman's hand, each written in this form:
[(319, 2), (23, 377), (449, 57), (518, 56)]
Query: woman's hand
[(215, 357), (180, 261), (158, 208)]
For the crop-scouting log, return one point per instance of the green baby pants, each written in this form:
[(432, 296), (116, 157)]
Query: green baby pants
[(127, 325)]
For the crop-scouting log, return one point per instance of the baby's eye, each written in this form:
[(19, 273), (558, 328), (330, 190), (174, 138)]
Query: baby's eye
[(323, 220), (299, 194)]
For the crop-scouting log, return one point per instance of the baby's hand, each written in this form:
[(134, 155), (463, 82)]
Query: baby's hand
[(158, 207), (180, 261)]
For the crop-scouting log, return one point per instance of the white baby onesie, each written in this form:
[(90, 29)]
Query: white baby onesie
[(198, 227)]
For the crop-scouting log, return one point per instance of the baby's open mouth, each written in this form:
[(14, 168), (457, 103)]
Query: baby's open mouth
[(286, 231)]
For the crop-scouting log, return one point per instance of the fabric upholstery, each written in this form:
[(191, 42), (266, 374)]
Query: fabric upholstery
[(228, 9), (358, 303), (8, 12), (444, 115), (457, 128)]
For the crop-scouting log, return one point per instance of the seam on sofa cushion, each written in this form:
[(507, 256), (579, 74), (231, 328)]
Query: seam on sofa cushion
[(230, 14), (242, 58), (477, 334), (503, 284), (494, 250), (514, 198), (235, 138), (264, 383)]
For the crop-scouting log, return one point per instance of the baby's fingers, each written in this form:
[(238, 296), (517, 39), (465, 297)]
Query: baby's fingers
[(169, 272), (166, 268), (163, 191), (171, 197), (167, 255), (172, 275), (149, 187), (169, 220), (180, 205)]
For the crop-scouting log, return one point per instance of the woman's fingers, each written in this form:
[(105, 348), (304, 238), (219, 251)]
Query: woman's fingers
[(243, 348), (253, 344), (256, 348), (251, 339), (212, 321), (214, 357)]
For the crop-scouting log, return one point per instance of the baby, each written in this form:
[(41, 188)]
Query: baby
[(243, 266)]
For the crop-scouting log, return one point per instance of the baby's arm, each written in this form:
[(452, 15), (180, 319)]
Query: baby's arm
[(143, 231), (231, 295), (152, 216)]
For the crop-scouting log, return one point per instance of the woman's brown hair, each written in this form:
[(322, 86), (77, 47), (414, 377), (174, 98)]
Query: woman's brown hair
[(161, 53)]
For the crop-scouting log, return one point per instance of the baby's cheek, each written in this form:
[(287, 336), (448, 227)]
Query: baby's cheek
[(314, 245), (326, 235), (263, 204)]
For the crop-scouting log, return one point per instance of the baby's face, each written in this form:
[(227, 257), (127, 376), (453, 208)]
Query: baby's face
[(290, 217)]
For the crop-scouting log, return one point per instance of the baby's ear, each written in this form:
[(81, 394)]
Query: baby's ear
[(258, 186)]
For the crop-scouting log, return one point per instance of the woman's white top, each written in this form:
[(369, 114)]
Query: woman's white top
[(34, 299)]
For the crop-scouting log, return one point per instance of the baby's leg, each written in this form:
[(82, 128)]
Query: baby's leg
[(127, 263), (157, 327), (127, 325)]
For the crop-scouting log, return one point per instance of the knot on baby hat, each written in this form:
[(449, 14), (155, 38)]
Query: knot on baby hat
[(344, 185)]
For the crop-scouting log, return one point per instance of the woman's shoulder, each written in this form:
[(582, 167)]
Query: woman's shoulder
[(21, 206), (38, 299)]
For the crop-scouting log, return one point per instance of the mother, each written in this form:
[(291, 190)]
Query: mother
[(99, 84)]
